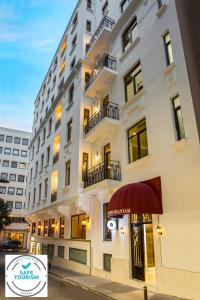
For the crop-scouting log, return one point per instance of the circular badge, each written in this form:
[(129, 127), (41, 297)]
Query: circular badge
[(111, 225), (26, 275)]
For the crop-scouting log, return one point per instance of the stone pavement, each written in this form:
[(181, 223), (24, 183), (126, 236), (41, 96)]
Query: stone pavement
[(110, 289)]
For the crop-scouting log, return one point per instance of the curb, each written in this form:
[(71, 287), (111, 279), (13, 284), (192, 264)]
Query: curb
[(82, 286)]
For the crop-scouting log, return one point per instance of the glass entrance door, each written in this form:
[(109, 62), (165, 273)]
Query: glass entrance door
[(142, 248)]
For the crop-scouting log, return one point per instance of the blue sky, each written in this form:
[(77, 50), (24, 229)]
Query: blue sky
[(30, 31)]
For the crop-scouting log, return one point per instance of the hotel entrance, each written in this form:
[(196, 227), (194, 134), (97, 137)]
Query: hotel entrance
[(142, 247)]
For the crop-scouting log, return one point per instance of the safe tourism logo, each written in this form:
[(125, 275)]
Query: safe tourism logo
[(26, 275)]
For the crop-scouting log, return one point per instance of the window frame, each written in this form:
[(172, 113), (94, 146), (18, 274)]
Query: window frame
[(166, 45), (133, 81), (176, 119)]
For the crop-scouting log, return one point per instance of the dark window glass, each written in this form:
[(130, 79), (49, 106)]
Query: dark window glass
[(1, 149), (89, 4), (107, 233), (33, 228), (15, 152), (7, 151), (21, 178), (71, 93), (69, 131), (51, 229), (12, 177), (67, 173), (78, 226), (25, 142), (4, 176), (61, 251), (39, 227), (11, 191), (19, 192), (124, 5), (48, 154), (133, 82), (17, 140), (78, 255), (45, 188), (18, 205), (2, 190), (168, 49), (40, 191), (105, 8), (85, 166), (89, 26), (129, 34), (73, 63), (5, 163), (9, 204), (34, 195), (107, 262), (45, 232), (62, 227), (137, 141), (159, 2), (9, 139), (1, 137), (14, 164), (178, 118), (24, 153)]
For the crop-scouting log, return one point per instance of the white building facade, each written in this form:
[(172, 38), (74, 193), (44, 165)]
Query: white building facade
[(113, 182), (13, 176)]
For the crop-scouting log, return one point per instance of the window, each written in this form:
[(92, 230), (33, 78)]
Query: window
[(1, 149), (12, 177), (48, 155), (124, 5), (15, 152), (25, 142), (9, 204), (107, 262), (11, 191), (24, 153), (78, 255), (71, 93), (51, 229), (45, 232), (18, 205), (33, 228), (85, 166), (107, 233), (75, 20), (72, 63), (19, 192), (88, 26), (21, 178), (5, 163), (137, 141), (38, 143), (44, 134), (159, 2), (40, 192), (22, 165), (42, 162), (39, 227), (9, 139), (36, 168), (133, 82), (54, 81), (45, 188), (89, 4), (34, 195), (129, 34), (50, 125), (1, 137), (17, 140), (178, 118), (86, 116), (69, 131), (168, 49), (67, 173), (14, 164), (61, 251), (62, 227), (4, 176), (2, 190), (7, 151), (74, 42), (87, 77), (105, 8), (78, 227)]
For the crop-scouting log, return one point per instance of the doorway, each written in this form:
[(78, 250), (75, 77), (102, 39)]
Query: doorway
[(142, 246), (107, 157)]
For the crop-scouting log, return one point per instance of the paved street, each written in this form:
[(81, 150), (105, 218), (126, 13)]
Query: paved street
[(57, 289)]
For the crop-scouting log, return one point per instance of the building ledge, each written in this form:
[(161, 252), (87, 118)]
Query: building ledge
[(180, 143), (133, 44), (107, 183), (138, 163), (161, 10), (169, 69), (132, 100)]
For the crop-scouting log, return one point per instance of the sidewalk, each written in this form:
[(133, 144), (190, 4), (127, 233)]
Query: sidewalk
[(103, 287)]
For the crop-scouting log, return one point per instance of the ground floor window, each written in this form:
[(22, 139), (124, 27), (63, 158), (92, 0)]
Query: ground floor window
[(142, 246), (78, 255), (50, 251), (61, 251), (107, 262), (44, 248), (78, 226)]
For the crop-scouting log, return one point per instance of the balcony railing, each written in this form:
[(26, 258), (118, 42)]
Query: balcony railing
[(57, 124), (106, 22), (56, 157), (102, 171), (106, 61), (109, 110), (54, 196)]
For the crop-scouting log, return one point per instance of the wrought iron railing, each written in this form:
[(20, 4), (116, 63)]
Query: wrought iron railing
[(105, 22), (54, 196), (102, 171), (57, 124), (110, 110), (106, 61), (56, 157)]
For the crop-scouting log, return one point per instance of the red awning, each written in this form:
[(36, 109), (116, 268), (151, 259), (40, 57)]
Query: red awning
[(137, 198)]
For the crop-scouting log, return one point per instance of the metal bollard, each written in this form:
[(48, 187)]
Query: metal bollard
[(145, 293)]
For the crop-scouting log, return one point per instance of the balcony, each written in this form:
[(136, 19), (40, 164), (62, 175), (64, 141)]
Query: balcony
[(56, 157), (54, 196), (101, 77), (99, 42), (58, 122), (103, 171), (106, 119)]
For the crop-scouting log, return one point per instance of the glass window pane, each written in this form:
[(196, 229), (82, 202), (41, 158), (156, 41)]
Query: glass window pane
[(143, 144), (133, 149), (170, 54), (180, 122)]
